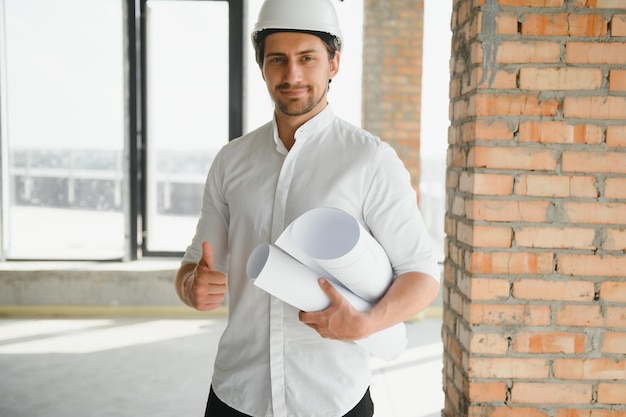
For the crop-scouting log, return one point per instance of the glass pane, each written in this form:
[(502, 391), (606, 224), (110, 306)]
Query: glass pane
[(65, 112), (187, 113)]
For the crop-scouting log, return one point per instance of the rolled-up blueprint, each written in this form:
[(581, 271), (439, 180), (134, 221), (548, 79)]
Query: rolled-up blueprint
[(279, 274), (330, 240), (284, 277)]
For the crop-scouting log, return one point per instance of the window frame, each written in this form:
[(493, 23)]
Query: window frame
[(135, 135), (139, 186)]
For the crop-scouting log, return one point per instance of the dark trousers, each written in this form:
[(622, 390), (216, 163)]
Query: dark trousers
[(216, 408)]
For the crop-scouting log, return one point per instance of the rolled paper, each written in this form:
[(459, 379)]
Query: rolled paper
[(282, 276), (339, 245)]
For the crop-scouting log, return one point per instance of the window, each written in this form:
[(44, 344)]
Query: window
[(187, 113), (110, 123), (64, 137)]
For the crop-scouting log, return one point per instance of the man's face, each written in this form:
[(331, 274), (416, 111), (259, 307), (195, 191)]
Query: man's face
[(296, 70)]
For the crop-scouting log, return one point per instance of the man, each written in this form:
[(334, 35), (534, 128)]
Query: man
[(273, 360)]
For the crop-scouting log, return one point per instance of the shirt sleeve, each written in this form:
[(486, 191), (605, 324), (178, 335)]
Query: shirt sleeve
[(213, 223), (394, 219)]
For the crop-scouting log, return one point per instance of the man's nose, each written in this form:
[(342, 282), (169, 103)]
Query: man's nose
[(293, 72)]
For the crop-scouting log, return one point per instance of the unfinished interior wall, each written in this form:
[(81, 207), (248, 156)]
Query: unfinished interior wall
[(535, 272), (392, 76)]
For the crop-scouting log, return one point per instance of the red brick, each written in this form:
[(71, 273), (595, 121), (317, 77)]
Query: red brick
[(489, 343), (558, 79), (457, 157), (596, 161), (595, 53), (570, 412), (454, 253), (489, 289), (554, 24), (615, 239), (529, 52), (463, 13), (549, 342), (531, 159), (456, 303), (606, 107), (555, 237), (453, 135), (579, 315), (510, 263), (591, 265), (452, 179), (481, 367), (616, 317), (618, 25), (536, 303), (543, 186), (493, 410), (460, 109), (514, 105), (463, 335), (487, 392), (504, 80), (486, 184), (484, 236), (595, 213), (591, 25), (614, 342), (609, 4), (617, 80), (531, 3), (535, 289), (509, 314), (450, 227), (616, 136), (550, 131), (551, 393), (589, 369), (556, 186), (611, 393), (591, 316), (506, 23), (583, 187), (489, 129), (508, 210), (613, 292), (458, 206)]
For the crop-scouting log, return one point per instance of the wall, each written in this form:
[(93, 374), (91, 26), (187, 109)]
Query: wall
[(392, 62), (43, 289), (535, 272)]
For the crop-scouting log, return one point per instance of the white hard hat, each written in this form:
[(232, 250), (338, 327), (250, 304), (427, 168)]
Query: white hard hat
[(306, 15)]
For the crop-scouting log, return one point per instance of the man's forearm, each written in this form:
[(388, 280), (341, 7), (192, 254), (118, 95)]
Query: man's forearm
[(409, 294)]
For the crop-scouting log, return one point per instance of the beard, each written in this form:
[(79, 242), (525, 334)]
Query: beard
[(296, 107)]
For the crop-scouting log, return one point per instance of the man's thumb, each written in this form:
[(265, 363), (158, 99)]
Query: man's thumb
[(207, 254)]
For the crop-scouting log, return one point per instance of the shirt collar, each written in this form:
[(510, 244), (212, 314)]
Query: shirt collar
[(318, 123)]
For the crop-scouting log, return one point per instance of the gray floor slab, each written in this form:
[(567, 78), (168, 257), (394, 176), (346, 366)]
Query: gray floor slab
[(162, 368)]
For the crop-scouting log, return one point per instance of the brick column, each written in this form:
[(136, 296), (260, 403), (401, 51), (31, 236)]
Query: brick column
[(535, 271), (392, 74)]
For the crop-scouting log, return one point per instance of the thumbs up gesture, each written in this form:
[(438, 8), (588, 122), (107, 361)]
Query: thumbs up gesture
[(208, 289)]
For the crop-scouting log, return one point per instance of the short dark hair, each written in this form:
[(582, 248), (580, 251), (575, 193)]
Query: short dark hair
[(330, 41)]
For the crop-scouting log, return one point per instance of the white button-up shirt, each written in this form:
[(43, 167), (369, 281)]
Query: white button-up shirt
[(268, 362)]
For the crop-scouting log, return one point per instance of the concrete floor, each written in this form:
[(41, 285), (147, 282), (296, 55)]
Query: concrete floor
[(162, 368)]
